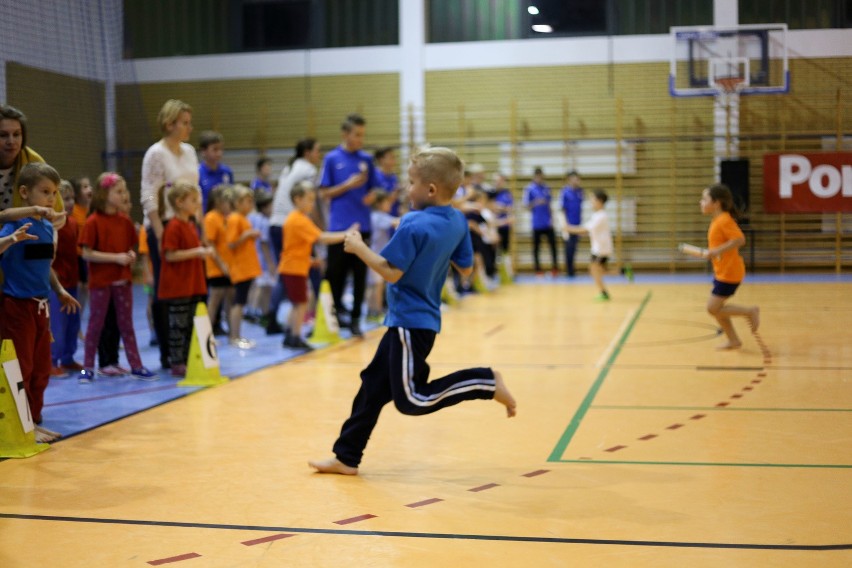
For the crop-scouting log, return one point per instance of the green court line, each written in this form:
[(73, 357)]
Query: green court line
[(713, 464), (718, 409), (563, 442)]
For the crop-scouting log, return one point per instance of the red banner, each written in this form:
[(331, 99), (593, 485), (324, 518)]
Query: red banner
[(813, 182)]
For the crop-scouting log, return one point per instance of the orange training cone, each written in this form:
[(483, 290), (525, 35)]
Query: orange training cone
[(202, 365), (17, 430), (326, 329)]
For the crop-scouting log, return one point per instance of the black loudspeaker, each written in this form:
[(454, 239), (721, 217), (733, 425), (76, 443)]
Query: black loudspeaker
[(734, 174)]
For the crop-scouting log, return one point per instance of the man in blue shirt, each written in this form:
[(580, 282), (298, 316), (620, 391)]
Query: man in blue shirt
[(537, 200), (347, 178), (572, 206), (415, 262), (211, 170), (386, 170)]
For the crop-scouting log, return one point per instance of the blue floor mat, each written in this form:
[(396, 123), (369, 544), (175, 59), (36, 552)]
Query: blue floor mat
[(72, 408)]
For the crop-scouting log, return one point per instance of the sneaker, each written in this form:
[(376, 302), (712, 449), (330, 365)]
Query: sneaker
[(72, 366), (112, 371), (144, 374), (355, 329), (178, 371), (554, 273), (273, 327), (153, 342), (251, 318), (242, 343), (628, 272), (86, 376), (58, 372), (295, 342), (602, 297)]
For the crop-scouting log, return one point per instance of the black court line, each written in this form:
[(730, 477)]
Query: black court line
[(448, 536)]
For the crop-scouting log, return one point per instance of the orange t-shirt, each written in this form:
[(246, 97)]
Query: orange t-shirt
[(300, 234), (214, 233), (143, 241), (244, 262), (729, 267), (79, 214)]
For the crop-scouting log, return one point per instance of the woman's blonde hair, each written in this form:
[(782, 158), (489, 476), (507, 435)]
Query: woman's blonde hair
[(170, 112)]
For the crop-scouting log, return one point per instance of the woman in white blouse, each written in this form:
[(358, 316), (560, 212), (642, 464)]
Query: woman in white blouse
[(169, 160)]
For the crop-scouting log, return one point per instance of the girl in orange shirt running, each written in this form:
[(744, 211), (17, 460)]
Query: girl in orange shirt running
[(724, 238)]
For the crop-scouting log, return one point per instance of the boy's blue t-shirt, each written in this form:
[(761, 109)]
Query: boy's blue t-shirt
[(389, 183), (208, 179), (26, 264), (541, 218), (337, 166), (572, 204), (504, 197), (422, 247)]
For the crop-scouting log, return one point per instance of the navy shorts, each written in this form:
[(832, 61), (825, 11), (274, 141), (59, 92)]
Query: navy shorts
[(724, 289), (241, 292), (602, 260)]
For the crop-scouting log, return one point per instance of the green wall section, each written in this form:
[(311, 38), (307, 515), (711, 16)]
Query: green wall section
[(65, 118)]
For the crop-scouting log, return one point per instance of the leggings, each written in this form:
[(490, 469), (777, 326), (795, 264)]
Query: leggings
[(121, 296)]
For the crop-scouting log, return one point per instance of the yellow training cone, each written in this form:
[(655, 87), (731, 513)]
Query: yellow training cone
[(202, 365), (326, 329), (507, 275), (17, 430)]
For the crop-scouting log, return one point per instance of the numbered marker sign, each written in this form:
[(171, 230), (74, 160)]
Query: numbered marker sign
[(206, 341), (16, 387), (327, 303)]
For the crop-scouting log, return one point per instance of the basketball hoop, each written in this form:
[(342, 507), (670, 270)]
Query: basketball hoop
[(729, 85)]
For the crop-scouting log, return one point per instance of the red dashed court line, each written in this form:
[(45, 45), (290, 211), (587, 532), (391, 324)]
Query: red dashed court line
[(161, 561), (674, 426), (723, 404), (647, 437), (357, 519), (535, 473), (698, 417), (271, 538), (424, 502), (484, 487), (615, 448), (738, 395)]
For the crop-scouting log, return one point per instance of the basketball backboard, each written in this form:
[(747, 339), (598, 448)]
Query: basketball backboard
[(710, 60)]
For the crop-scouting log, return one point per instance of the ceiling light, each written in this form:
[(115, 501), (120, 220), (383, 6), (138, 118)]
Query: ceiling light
[(533, 10), (542, 28)]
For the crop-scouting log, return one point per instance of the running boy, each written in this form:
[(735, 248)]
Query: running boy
[(415, 262), (597, 227)]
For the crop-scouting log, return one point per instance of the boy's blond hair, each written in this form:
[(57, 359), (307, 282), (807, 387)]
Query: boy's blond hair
[(300, 189), (440, 166), (66, 189), (174, 192), (241, 191)]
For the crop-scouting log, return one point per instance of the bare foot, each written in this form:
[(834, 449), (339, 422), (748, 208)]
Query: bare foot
[(44, 436), (333, 465), (503, 396), (729, 345), (754, 318)]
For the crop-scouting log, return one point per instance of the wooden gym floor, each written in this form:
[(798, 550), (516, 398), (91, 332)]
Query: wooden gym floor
[(636, 444)]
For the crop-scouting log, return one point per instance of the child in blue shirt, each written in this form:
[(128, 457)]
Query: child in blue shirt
[(537, 200), (28, 281), (415, 263)]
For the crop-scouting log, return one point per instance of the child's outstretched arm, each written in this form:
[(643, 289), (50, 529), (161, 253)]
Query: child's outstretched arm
[(17, 213), (574, 230), (353, 243), (19, 235)]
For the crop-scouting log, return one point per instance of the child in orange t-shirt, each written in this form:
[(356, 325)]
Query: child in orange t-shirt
[(244, 263), (724, 238), (221, 290), (182, 284), (147, 282), (300, 234)]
